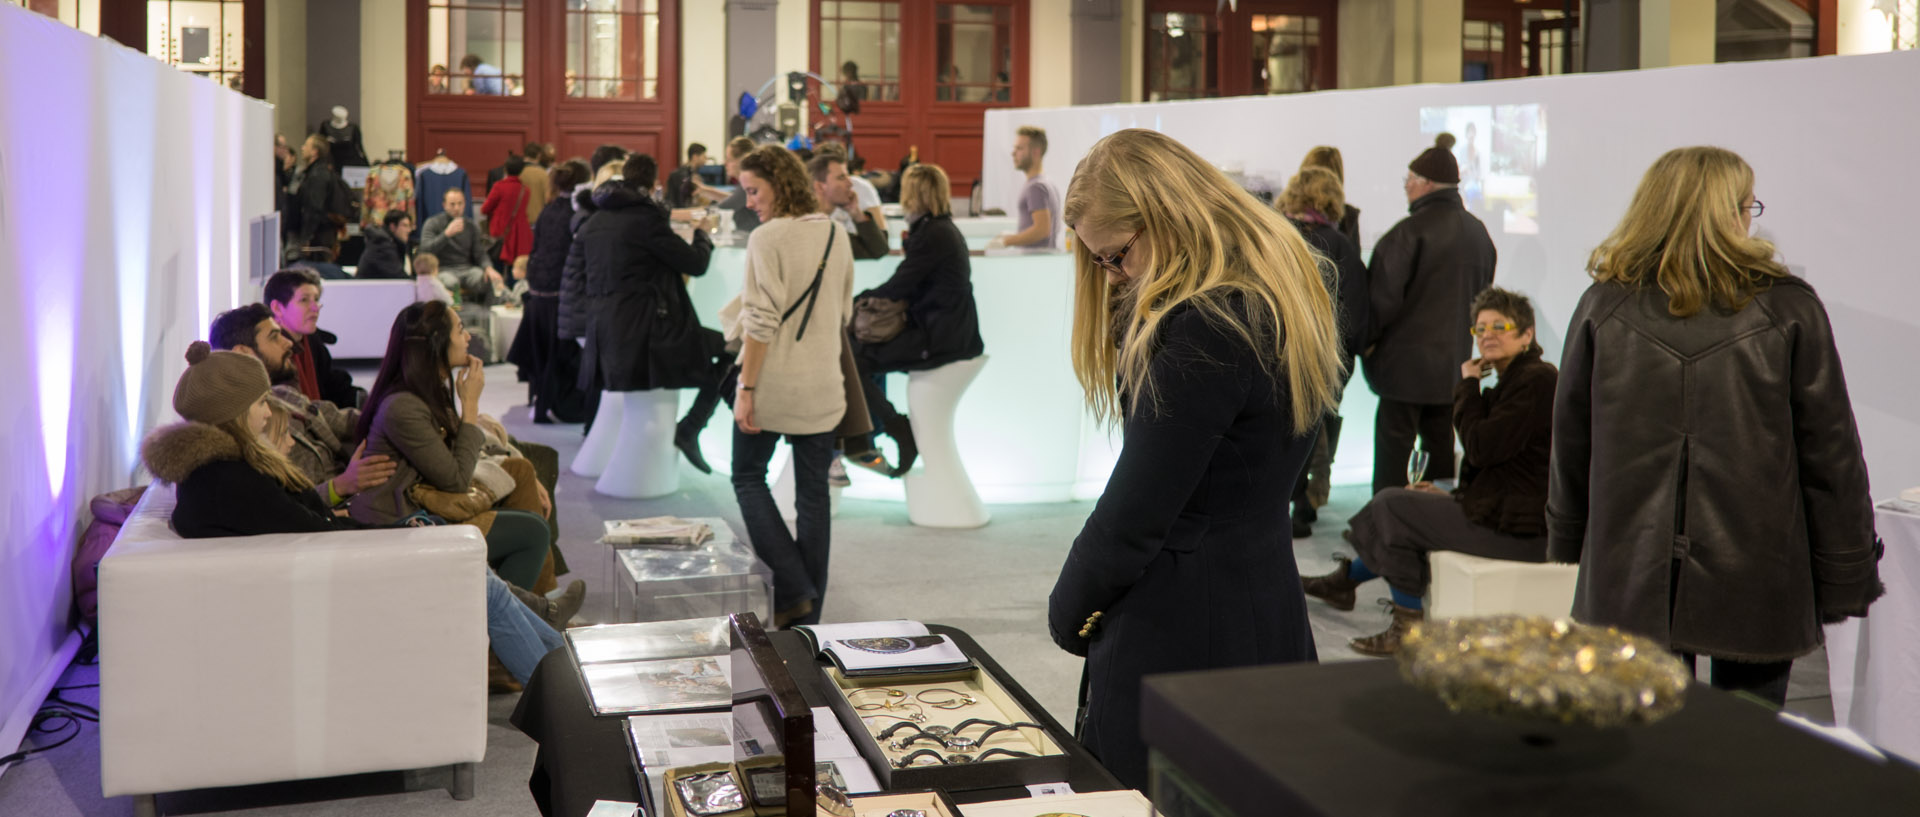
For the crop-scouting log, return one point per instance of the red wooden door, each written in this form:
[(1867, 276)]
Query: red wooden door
[(635, 105)]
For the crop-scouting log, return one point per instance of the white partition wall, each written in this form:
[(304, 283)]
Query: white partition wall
[(1554, 162), (125, 192)]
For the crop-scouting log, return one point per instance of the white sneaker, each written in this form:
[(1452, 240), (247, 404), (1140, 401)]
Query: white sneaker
[(837, 475)]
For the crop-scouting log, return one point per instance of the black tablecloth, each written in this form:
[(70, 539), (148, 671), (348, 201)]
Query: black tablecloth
[(1354, 739), (583, 758)]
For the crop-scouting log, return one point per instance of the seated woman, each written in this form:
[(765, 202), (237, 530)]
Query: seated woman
[(935, 280), (411, 417), (231, 481), (1499, 510)]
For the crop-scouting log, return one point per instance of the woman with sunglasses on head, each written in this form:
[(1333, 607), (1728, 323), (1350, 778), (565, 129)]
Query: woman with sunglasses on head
[(1498, 510), (1202, 326), (1707, 472)]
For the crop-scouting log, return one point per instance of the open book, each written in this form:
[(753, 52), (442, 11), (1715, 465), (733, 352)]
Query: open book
[(875, 648)]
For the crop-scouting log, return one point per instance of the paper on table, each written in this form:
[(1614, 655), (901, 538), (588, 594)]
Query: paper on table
[(650, 640), (611, 808), (653, 686)]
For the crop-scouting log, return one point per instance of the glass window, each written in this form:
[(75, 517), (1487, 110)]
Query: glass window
[(204, 37), (81, 14), (860, 48), (1482, 46), (477, 47), (1286, 53), (613, 49), (1181, 57), (973, 45)]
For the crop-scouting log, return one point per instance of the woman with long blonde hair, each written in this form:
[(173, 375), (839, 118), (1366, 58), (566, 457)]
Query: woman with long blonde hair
[(1706, 469), (1202, 326)]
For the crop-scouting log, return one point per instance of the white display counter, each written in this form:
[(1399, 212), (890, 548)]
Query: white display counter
[(1023, 428)]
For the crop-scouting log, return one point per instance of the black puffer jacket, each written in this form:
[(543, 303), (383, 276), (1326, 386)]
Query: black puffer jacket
[(1423, 276), (385, 257), (573, 275), (1707, 473), (641, 329), (219, 494), (936, 280)]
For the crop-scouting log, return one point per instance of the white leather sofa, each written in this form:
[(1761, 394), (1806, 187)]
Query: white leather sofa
[(361, 313), (233, 661)]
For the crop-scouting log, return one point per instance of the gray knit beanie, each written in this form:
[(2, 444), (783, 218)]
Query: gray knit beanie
[(218, 386)]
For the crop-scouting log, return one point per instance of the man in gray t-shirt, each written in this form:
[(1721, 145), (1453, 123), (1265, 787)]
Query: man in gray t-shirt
[(1038, 212)]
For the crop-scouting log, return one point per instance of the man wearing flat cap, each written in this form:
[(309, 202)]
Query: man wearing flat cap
[(1424, 275)]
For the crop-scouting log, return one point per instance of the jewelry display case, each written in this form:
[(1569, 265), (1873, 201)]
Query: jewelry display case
[(956, 731)]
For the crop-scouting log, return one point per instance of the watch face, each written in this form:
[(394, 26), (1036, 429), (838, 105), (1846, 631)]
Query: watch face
[(961, 742), (939, 731)]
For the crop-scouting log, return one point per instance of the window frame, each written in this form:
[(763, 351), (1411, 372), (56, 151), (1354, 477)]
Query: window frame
[(1233, 44)]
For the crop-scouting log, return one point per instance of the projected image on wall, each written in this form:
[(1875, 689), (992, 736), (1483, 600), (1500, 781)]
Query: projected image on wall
[(1501, 149)]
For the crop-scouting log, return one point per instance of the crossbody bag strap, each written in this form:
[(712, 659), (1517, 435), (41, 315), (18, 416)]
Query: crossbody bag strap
[(812, 293)]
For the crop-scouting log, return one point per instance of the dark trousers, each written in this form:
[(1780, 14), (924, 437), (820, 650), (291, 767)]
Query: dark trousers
[(1395, 425), (873, 383), (799, 563), (1768, 681), (1316, 476), (1396, 530)]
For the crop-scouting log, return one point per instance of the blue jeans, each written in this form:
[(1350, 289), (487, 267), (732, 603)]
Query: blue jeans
[(520, 638), (799, 564)]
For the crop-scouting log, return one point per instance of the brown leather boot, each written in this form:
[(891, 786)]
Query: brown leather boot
[(1388, 642), (1335, 588)]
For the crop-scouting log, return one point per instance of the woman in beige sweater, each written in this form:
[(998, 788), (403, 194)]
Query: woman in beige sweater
[(794, 307)]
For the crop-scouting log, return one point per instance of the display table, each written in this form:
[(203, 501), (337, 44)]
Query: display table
[(663, 584), (583, 758), (1873, 664), (1354, 739)]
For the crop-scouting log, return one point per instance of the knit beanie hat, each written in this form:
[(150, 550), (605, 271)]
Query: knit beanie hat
[(218, 386), (1437, 164)]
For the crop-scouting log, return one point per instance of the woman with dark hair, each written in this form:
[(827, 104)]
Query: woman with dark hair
[(1498, 510), (793, 309), (1731, 514), (231, 477), (412, 418), (549, 366), (642, 332)]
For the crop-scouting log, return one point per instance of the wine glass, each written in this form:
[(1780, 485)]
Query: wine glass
[(1417, 466)]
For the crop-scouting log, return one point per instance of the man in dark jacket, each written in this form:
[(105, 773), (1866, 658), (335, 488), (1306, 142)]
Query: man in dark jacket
[(680, 183), (386, 254), (866, 229), (293, 295), (1424, 275), (642, 332)]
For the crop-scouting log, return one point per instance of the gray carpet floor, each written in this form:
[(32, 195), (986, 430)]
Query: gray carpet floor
[(992, 583)]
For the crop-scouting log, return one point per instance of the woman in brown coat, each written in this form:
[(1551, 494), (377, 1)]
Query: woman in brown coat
[(1707, 473)]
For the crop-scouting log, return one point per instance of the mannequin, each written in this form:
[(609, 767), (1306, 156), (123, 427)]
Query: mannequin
[(344, 137)]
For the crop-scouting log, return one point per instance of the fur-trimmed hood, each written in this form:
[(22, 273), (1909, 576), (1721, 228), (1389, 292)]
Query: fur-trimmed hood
[(174, 452)]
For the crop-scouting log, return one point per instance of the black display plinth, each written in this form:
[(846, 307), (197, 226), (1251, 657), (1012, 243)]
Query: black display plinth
[(1353, 739)]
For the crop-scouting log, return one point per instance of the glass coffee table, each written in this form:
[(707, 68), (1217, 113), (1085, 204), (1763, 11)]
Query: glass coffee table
[(669, 584)]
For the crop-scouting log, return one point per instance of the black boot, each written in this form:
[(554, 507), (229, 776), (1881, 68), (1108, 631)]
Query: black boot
[(686, 436), (901, 431)]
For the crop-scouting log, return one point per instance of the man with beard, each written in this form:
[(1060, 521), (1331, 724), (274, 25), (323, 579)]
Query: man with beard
[(322, 432)]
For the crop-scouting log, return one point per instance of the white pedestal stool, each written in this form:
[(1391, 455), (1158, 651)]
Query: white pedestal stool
[(644, 464), (597, 448), (1465, 586), (783, 493), (939, 493)]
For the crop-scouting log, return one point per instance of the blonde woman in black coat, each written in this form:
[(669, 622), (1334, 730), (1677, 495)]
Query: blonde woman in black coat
[(1707, 472), (1202, 325)]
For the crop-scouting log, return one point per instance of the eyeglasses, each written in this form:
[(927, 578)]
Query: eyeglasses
[(1111, 263), (1756, 208), (1483, 328)]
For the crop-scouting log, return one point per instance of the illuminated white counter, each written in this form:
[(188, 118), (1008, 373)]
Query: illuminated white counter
[(1023, 428)]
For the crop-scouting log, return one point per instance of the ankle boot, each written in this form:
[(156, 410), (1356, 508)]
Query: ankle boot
[(562, 609), (901, 431), (1336, 588), (688, 441), (1388, 642), (540, 605)]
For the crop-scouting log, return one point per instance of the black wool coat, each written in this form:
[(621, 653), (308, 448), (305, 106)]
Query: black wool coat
[(642, 332), (935, 278), (1187, 553), (1507, 433), (219, 494), (336, 385), (1707, 473), (1423, 276), (1346, 282), (552, 237), (573, 274)]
